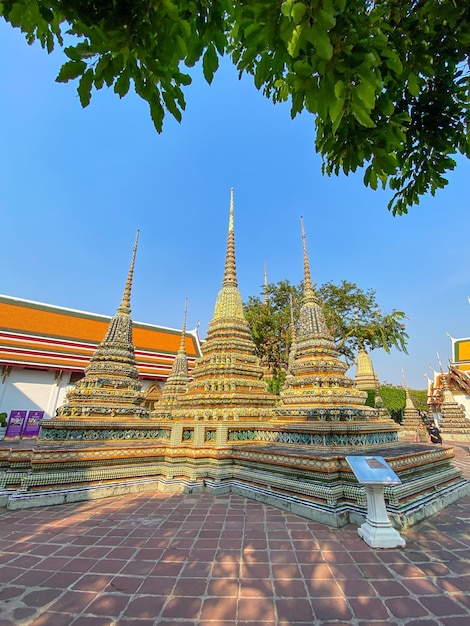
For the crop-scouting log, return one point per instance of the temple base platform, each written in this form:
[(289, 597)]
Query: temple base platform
[(297, 467)]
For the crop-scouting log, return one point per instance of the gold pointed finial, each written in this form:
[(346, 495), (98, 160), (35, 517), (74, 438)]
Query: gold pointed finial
[(183, 331), (230, 273), (404, 379), (266, 295), (440, 364), (308, 289), (125, 306)]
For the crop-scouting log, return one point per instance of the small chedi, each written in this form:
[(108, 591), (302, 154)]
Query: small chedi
[(226, 433), (176, 383), (365, 378), (108, 402), (316, 385), (412, 422), (111, 388)]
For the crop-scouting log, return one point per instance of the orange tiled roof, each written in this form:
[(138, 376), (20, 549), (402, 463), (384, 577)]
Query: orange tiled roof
[(41, 335)]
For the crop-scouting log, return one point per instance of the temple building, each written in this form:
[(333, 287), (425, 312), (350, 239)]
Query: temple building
[(225, 433), (449, 392)]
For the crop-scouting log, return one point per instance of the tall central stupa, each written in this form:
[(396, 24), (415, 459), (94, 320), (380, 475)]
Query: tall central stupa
[(227, 380)]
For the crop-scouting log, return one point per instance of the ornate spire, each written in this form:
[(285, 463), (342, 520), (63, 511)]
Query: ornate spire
[(308, 289), (266, 295), (111, 388), (316, 376), (183, 331), (229, 301), (177, 382), (230, 273), (125, 306), (227, 380)]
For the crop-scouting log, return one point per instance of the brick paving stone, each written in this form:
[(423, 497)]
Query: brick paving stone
[(369, 608), (405, 607), (92, 582), (439, 605), (145, 607), (72, 602), (108, 604), (222, 587), (251, 587), (184, 607), (294, 609), (261, 610), (390, 588), (40, 597), (325, 609), (222, 609)]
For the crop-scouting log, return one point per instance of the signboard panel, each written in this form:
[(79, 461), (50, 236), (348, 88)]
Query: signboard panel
[(32, 424), (372, 470), (15, 424)]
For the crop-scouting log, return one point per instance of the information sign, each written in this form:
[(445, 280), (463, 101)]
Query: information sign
[(33, 424), (15, 424), (372, 470)]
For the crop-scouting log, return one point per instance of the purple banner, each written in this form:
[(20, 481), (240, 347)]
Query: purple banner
[(33, 424), (15, 424)]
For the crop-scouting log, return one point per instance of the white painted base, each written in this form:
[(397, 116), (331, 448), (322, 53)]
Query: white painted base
[(378, 531)]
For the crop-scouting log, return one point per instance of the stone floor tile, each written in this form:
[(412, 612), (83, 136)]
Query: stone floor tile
[(92, 582), (368, 608), (263, 610), (326, 609), (40, 597), (294, 609), (110, 604), (72, 602), (145, 607), (441, 606), (405, 607), (223, 587), (221, 609)]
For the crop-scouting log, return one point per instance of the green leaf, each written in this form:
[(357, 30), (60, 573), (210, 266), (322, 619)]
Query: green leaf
[(71, 70), (362, 116), (210, 63), (84, 87), (121, 86), (298, 11), (366, 93)]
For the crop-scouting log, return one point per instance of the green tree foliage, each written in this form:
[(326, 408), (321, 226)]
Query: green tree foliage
[(394, 399), (352, 315), (387, 80), (419, 397)]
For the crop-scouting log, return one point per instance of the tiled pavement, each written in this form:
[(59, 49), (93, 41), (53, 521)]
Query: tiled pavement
[(198, 560)]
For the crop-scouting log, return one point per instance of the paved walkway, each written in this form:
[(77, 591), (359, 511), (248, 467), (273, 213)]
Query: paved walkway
[(198, 560)]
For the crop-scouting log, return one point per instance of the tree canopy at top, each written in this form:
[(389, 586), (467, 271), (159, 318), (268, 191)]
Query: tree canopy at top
[(387, 81)]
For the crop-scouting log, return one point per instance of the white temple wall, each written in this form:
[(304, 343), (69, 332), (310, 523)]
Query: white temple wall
[(33, 390), (463, 399), (29, 389)]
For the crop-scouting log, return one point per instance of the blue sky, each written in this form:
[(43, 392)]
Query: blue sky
[(76, 184)]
